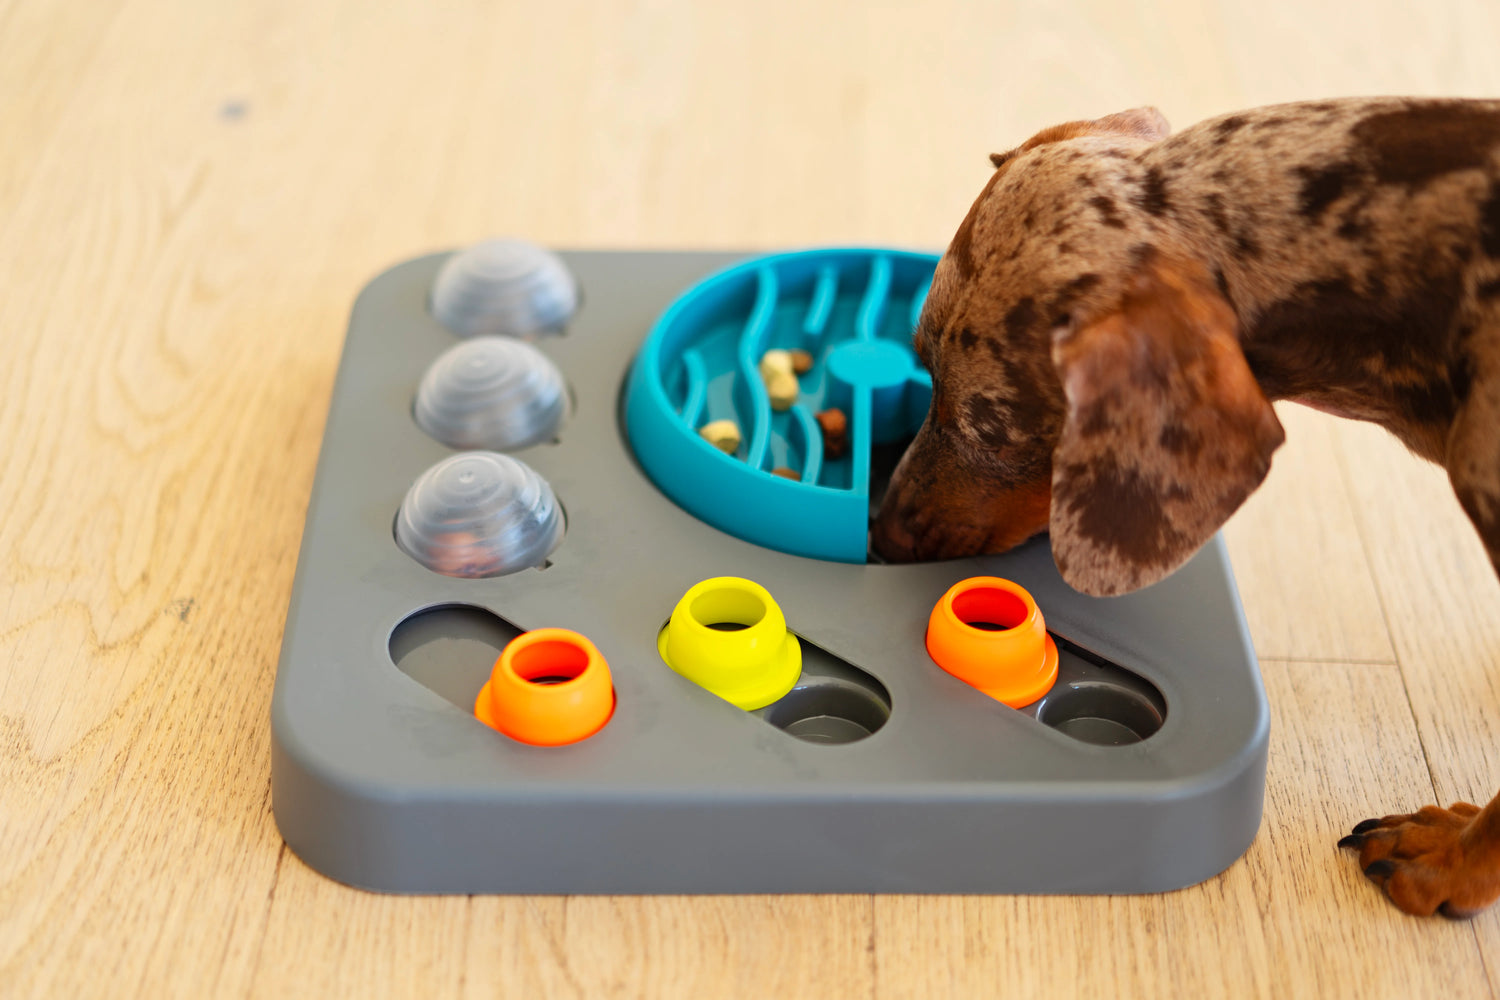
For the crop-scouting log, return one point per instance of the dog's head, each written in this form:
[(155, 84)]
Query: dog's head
[(1086, 374)]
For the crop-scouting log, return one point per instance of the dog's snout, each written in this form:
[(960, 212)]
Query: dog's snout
[(935, 508), (890, 540)]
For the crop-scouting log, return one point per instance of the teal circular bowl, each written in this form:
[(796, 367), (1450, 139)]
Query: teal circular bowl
[(854, 311)]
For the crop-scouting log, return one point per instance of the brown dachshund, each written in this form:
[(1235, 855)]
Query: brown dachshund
[(1112, 320)]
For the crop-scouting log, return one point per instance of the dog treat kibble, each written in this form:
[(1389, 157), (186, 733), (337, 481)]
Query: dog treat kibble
[(722, 434), (833, 422), (783, 389), (781, 383), (786, 473), (774, 361), (802, 361), (835, 427)]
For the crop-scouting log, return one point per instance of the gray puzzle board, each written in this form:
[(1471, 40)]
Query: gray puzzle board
[(382, 778)]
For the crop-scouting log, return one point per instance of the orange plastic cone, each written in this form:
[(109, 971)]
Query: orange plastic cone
[(988, 632), (549, 687)]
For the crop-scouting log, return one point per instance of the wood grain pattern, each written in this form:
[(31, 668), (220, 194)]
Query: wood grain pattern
[(192, 193), (1442, 604), (1298, 556), (1338, 741)]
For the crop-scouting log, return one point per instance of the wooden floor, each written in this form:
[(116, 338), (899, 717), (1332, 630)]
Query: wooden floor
[(190, 195)]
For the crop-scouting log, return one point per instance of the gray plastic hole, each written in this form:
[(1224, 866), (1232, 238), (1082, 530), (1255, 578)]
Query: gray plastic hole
[(1100, 713), (829, 710)]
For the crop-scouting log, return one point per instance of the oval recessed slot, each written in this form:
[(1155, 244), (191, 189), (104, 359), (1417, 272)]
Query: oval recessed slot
[(450, 649), (833, 701), (1097, 701)]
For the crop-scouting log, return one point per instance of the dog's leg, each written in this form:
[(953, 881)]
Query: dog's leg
[(1448, 860), (1474, 444)]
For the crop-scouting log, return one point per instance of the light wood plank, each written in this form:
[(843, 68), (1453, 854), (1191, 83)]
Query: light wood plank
[(579, 946), (323, 939), (674, 946), (1293, 918), (1442, 603), (164, 433), (44, 49), (1298, 558), (1287, 51)]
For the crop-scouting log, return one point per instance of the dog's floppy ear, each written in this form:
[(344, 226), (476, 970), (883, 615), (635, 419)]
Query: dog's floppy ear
[(1140, 123), (1166, 432), (1144, 123)]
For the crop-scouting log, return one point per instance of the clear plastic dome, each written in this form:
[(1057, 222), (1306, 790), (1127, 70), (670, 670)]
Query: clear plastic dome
[(479, 514), (491, 392), (508, 287)]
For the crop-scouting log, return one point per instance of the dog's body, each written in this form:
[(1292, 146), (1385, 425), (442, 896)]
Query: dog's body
[(1114, 316)]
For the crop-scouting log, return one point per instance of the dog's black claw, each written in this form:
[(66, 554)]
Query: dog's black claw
[(1382, 868), (1353, 840), (1366, 826)]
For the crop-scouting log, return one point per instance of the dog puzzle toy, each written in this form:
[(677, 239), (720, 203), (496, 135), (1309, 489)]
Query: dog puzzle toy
[(513, 461)]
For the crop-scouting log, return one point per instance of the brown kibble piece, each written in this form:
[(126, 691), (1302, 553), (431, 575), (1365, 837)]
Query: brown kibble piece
[(833, 422), (802, 361), (835, 427), (786, 473)]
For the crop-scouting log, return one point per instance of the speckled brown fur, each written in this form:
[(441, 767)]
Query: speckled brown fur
[(1121, 305)]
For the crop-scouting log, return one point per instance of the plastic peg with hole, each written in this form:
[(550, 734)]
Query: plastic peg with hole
[(728, 635), (989, 633), (550, 687)]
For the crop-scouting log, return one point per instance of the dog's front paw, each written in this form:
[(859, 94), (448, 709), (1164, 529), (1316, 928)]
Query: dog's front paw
[(1432, 861)]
